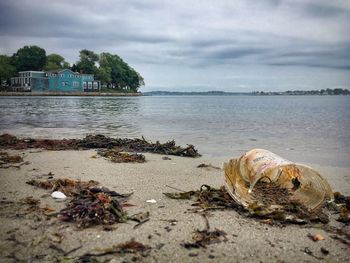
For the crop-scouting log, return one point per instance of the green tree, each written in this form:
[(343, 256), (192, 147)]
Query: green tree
[(104, 75), (87, 62), (30, 58), (7, 69), (74, 68), (122, 76), (55, 61)]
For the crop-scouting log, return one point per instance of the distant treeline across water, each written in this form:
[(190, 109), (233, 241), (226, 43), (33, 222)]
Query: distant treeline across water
[(254, 93)]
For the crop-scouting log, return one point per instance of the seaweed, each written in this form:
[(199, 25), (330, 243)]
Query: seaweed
[(290, 211), (122, 157), (6, 158), (208, 166), (89, 209), (99, 141), (207, 198), (67, 186), (270, 195), (129, 247), (202, 238), (341, 206), (89, 205)]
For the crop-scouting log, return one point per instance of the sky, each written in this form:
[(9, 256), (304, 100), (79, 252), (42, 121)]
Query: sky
[(202, 45)]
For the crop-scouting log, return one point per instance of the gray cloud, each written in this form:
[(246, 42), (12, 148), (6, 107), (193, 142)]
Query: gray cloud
[(205, 38), (324, 10)]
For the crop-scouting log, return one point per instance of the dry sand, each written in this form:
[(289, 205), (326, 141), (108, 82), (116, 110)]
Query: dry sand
[(248, 239)]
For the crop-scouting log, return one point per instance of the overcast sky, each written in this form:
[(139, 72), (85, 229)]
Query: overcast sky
[(185, 45)]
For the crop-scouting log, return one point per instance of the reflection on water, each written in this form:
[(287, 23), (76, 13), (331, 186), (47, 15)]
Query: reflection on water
[(69, 116), (302, 128)]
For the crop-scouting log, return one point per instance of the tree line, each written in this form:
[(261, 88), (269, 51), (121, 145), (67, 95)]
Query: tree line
[(110, 69), (336, 91)]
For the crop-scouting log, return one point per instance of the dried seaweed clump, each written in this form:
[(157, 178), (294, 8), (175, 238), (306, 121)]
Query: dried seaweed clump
[(129, 247), (95, 206), (6, 158), (89, 205), (343, 203), (99, 142), (33, 203), (10, 141), (67, 186), (275, 202), (208, 198), (122, 157), (202, 238), (137, 145), (7, 140), (268, 195)]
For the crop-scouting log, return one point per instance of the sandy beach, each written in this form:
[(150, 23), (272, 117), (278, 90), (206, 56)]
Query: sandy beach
[(171, 221)]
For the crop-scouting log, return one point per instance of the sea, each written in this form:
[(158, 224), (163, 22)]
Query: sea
[(306, 129)]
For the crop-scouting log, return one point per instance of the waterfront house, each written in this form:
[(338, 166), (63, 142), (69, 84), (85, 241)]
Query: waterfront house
[(63, 80), (27, 79)]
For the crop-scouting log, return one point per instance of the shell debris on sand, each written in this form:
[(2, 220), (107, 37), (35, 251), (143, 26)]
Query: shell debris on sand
[(58, 195)]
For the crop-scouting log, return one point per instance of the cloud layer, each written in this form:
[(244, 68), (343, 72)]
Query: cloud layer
[(225, 45)]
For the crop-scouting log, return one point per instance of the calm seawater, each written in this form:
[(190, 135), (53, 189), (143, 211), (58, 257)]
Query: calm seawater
[(313, 129)]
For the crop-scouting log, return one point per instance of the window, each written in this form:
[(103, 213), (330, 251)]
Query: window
[(75, 84), (64, 83), (84, 85), (61, 75), (95, 84), (89, 85)]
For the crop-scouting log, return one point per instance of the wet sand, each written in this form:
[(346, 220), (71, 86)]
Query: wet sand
[(248, 240)]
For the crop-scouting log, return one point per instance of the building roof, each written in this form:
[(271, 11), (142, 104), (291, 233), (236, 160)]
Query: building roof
[(34, 71), (58, 71)]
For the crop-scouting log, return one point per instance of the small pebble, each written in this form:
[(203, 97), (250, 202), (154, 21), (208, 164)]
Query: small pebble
[(324, 251)]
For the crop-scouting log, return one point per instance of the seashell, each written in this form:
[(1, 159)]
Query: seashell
[(306, 185), (58, 195)]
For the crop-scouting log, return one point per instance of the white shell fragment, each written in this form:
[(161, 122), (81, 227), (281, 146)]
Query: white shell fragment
[(306, 185), (152, 201), (58, 195)]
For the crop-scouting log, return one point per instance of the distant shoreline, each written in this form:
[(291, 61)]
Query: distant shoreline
[(179, 93), (331, 92), (80, 94)]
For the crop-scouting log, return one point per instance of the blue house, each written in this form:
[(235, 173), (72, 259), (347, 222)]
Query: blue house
[(63, 80)]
